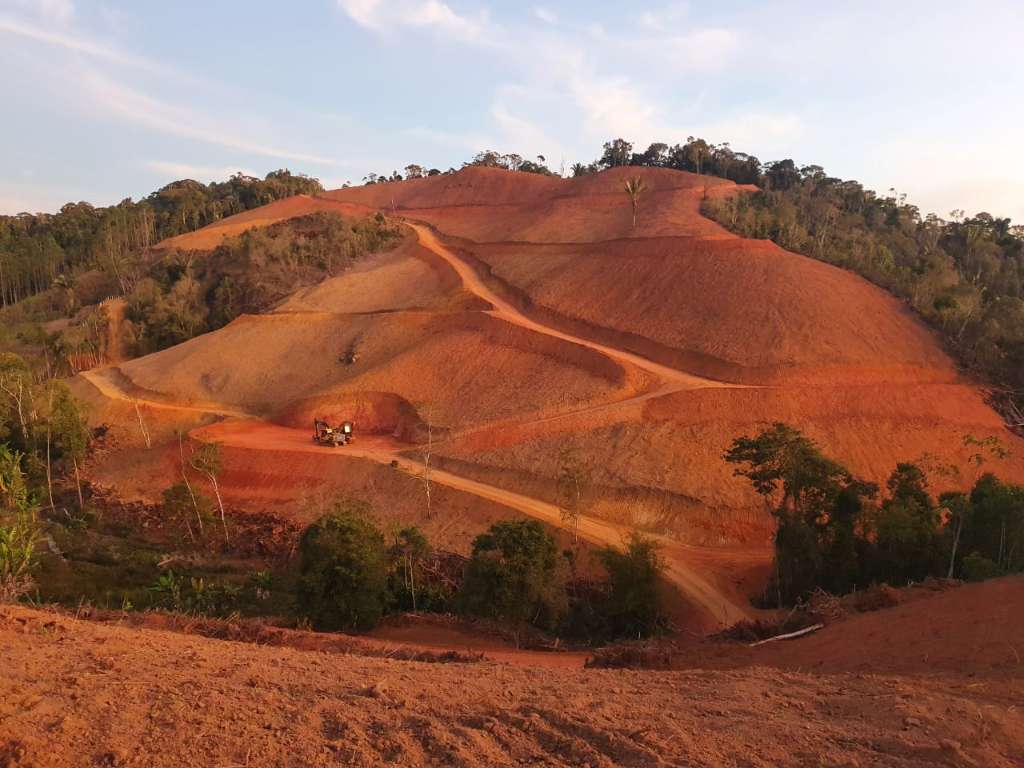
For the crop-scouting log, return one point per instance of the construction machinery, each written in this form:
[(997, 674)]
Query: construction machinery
[(325, 434)]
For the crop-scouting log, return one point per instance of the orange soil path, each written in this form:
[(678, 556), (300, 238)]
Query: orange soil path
[(260, 435), (505, 311), (245, 431)]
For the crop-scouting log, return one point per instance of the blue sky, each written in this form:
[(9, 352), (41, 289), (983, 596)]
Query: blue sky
[(105, 100)]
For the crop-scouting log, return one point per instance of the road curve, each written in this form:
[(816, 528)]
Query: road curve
[(243, 430), (259, 435), (504, 310)]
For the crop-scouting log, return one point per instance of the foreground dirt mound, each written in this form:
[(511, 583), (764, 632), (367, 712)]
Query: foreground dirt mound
[(75, 693)]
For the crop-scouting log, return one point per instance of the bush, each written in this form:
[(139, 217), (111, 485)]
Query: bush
[(632, 607), (411, 585), (19, 538), (191, 594), (514, 575), (344, 570), (977, 567)]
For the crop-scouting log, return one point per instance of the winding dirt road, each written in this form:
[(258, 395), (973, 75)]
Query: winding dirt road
[(243, 430), (672, 378)]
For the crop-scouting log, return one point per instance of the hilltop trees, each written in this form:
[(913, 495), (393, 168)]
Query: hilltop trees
[(616, 152), (509, 162), (35, 249)]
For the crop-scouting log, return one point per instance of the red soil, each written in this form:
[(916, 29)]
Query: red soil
[(933, 682), (647, 349)]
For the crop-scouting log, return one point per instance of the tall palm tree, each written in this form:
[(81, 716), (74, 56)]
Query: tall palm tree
[(634, 188)]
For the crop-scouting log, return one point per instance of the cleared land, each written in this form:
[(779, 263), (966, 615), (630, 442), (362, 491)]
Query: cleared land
[(524, 314), (915, 685)]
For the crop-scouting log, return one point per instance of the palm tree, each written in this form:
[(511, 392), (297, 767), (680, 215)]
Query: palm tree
[(634, 188)]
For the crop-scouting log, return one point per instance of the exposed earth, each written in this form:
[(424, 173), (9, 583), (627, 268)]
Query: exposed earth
[(522, 315), (934, 681)]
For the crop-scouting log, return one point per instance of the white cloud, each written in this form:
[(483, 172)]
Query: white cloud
[(661, 19), (53, 11), (545, 14), (703, 49), (72, 42), (137, 107), (382, 15), (203, 173)]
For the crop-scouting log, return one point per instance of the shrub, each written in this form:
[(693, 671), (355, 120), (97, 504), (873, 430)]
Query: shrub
[(412, 584), (344, 570), (514, 575), (632, 606), (977, 567), (19, 538), (191, 594)]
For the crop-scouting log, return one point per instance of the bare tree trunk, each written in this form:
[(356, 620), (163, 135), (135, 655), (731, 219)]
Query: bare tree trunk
[(220, 503), (78, 483), (142, 424), (49, 472), (956, 544), (188, 486), (426, 465)]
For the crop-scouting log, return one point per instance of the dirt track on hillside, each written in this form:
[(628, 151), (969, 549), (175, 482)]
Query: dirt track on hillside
[(719, 606)]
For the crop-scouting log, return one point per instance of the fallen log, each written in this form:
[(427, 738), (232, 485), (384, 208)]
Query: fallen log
[(789, 635)]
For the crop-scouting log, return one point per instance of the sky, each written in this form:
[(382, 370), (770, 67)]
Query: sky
[(108, 100)]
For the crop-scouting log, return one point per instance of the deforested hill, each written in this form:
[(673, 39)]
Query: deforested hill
[(520, 315)]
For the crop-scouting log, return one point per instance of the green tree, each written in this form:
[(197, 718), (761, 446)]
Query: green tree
[(632, 606), (906, 529), (514, 575), (344, 570), (616, 152), (408, 551), (69, 430), (815, 501), (19, 529)]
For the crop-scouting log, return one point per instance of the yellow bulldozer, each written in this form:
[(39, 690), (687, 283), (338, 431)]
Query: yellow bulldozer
[(325, 434)]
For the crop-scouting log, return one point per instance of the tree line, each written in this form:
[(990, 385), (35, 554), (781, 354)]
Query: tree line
[(964, 276), (838, 532), (351, 574), (37, 248)]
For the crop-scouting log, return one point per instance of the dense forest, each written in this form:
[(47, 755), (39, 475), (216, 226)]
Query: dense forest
[(37, 249)]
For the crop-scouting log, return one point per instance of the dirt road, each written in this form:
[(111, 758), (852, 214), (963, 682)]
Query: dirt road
[(245, 431), (262, 436), (505, 311)]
